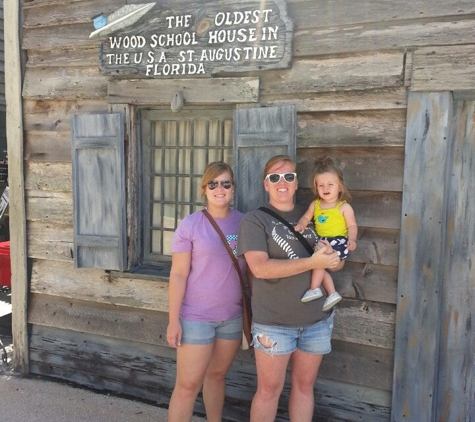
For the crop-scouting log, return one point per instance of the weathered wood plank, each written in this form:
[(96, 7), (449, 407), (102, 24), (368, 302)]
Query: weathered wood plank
[(42, 3), (55, 37), (352, 129), (305, 13), (55, 115), (215, 90), (103, 363), (69, 56), (377, 246), (64, 83), (107, 320), (366, 323), (311, 14), (47, 146), (61, 279), (367, 282), (444, 68), (55, 177), (336, 74), (52, 207), (353, 362), (50, 241), (383, 37), (372, 169), (421, 257), (376, 99), (373, 209), (69, 12), (456, 386)]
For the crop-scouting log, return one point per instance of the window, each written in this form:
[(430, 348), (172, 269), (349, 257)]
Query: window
[(176, 147), (130, 228)]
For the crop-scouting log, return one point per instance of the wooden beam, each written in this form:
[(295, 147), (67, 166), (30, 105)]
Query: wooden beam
[(159, 91), (18, 246)]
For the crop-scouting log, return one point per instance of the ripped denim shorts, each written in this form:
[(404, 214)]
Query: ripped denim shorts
[(314, 339)]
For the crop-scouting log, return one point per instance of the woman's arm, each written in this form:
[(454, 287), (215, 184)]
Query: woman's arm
[(181, 265), (265, 268)]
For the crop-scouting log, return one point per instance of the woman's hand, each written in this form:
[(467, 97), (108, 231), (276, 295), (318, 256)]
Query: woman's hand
[(323, 259), (174, 332)]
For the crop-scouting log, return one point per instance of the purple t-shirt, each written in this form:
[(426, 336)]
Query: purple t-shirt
[(213, 290)]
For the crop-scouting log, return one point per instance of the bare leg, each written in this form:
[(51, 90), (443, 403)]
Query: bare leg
[(328, 283), (214, 385), (317, 279), (192, 362), (305, 368), (270, 381)]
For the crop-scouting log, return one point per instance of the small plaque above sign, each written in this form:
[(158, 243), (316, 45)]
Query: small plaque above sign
[(214, 39)]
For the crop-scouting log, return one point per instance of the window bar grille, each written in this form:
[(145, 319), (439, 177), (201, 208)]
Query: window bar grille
[(178, 200), (162, 181), (192, 166)]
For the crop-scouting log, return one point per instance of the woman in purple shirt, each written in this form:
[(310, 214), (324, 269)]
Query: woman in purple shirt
[(205, 300)]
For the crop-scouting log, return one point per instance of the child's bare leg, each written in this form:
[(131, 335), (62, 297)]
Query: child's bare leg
[(333, 296), (314, 292), (317, 278), (327, 283)]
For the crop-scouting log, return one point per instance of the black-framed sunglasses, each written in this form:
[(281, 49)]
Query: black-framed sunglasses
[(276, 177), (225, 184)]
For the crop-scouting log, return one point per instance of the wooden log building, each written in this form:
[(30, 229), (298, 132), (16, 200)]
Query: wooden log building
[(110, 127)]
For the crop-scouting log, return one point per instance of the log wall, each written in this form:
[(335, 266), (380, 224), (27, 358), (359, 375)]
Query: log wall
[(349, 81)]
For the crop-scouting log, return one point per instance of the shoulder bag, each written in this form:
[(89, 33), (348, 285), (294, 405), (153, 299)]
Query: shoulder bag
[(246, 300)]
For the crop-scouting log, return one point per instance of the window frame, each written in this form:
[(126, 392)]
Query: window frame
[(146, 261)]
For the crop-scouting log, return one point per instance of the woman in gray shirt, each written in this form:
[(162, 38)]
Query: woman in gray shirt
[(284, 328)]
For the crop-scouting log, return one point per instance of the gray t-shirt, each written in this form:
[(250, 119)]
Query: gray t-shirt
[(277, 301)]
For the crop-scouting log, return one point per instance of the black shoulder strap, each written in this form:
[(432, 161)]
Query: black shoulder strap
[(299, 236)]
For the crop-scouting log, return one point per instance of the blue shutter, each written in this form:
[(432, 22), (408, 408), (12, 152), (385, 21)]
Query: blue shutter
[(259, 134), (99, 191)]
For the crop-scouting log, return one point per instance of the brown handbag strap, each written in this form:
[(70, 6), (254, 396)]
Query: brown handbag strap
[(228, 248)]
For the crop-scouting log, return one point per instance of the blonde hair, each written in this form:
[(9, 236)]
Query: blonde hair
[(212, 171), (277, 159), (327, 165)]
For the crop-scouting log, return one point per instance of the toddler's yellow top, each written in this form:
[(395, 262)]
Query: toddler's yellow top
[(329, 222)]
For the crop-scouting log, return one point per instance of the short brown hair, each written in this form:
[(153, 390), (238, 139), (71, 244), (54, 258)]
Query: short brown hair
[(277, 159), (212, 171), (327, 165)]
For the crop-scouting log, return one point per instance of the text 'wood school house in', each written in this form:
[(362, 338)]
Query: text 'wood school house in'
[(114, 108)]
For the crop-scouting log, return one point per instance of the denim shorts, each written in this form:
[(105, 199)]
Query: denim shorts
[(200, 332), (314, 339)]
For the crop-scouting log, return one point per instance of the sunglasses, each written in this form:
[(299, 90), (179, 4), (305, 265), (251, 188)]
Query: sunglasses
[(276, 177), (213, 184)]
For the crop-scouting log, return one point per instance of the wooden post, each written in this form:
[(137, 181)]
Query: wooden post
[(420, 279), (18, 246)]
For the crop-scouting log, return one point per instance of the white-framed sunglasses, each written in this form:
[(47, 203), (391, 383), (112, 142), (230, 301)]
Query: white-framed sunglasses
[(276, 177)]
